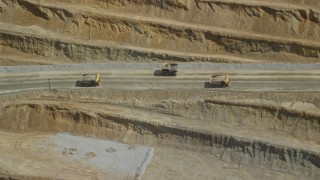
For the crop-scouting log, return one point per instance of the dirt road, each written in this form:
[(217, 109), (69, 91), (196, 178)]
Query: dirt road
[(145, 79), (196, 132)]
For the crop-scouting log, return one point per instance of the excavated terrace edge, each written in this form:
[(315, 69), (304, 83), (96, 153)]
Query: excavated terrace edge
[(221, 31), (209, 137), (275, 5), (23, 33), (195, 130)]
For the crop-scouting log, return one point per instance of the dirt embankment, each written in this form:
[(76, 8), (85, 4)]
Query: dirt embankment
[(255, 114), (83, 33), (283, 18), (131, 116), (56, 118)]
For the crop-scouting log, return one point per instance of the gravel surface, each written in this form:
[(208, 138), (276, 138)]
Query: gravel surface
[(153, 66)]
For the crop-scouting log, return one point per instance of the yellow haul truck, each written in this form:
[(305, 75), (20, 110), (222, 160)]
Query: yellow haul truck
[(89, 80), (220, 81), (169, 69)]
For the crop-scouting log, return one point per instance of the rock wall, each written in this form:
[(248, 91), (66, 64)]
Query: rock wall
[(130, 30)]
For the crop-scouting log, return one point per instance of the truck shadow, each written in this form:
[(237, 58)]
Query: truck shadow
[(162, 73), (209, 85), (158, 73), (81, 84)]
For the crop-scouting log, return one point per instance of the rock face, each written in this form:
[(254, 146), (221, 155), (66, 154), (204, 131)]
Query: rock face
[(151, 30)]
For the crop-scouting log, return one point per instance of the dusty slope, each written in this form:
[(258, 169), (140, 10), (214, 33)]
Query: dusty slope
[(169, 30), (188, 124)]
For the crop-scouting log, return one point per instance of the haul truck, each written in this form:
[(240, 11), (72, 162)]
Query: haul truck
[(220, 81), (89, 80), (169, 69)]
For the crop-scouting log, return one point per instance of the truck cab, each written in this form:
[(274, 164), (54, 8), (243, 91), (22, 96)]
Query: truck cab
[(169, 69)]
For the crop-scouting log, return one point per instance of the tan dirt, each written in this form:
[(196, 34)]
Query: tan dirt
[(210, 128), (74, 32), (265, 126)]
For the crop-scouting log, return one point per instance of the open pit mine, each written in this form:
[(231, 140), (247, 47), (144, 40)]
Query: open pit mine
[(160, 89)]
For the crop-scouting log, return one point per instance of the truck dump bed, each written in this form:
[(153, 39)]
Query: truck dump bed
[(89, 77), (219, 78), (170, 66)]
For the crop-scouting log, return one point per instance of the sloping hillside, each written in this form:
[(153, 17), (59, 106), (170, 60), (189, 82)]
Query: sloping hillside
[(61, 31)]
